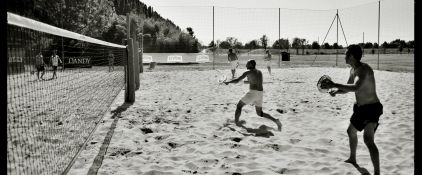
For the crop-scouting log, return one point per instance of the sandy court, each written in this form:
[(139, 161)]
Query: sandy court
[(178, 125)]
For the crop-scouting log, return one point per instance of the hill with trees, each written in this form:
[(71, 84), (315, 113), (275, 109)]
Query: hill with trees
[(106, 20)]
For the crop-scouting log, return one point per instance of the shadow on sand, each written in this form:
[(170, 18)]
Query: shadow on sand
[(103, 149), (261, 131), (362, 170)]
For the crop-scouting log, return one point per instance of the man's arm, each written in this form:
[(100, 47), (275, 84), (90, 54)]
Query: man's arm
[(350, 87), (349, 81), (236, 80)]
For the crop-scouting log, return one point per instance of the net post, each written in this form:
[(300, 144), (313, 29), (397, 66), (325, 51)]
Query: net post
[(136, 63), (213, 41), (130, 91), (337, 39), (279, 42), (132, 34), (379, 45), (141, 52)]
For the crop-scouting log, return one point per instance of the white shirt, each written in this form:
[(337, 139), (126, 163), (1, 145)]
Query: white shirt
[(55, 60)]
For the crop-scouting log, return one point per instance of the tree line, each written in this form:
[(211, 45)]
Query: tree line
[(300, 43), (106, 20)]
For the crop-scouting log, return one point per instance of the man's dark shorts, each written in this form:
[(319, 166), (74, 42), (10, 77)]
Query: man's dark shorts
[(40, 68), (364, 114), (54, 68)]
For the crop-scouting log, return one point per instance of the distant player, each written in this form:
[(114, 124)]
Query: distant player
[(39, 65), (110, 61), (255, 94), (366, 110), (267, 59), (55, 59), (234, 62)]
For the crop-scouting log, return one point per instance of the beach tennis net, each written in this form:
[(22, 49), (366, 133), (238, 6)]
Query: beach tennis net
[(53, 105)]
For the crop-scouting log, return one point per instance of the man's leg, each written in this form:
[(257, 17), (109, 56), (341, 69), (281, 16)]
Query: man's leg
[(260, 113), (38, 74), (353, 143), (233, 72), (368, 137), (42, 74), (238, 112), (269, 70)]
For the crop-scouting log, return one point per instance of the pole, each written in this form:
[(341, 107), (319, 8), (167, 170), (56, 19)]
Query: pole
[(379, 9), (279, 42), (130, 83), (337, 39), (61, 21), (213, 42), (363, 44)]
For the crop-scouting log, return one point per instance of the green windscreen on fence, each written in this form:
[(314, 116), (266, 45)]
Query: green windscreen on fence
[(59, 86)]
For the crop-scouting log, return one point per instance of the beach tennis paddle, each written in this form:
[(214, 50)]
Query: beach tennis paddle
[(323, 81), (222, 78)]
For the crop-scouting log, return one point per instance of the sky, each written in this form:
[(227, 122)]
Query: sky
[(248, 20)]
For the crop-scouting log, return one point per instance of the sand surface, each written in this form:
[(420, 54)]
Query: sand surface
[(181, 124)]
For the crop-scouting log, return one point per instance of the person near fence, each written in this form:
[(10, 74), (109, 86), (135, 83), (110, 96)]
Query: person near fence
[(55, 59), (254, 96), (234, 62), (366, 110), (267, 59), (110, 61), (39, 65)]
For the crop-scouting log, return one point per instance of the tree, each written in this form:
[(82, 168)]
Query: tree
[(252, 45), (190, 31), (284, 44), (385, 45), (232, 41), (326, 46), (299, 43), (238, 45), (368, 45), (296, 44), (225, 45), (264, 41), (335, 46), (211, 44), (303, 43), (315, 45), (411, 44)]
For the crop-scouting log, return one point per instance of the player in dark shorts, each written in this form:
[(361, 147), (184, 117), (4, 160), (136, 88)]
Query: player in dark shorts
[(110, 61), (39, 65), (367, 109)]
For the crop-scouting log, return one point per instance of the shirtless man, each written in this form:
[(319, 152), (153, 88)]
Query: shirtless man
[(232, 57), (254, 96), (39, 64), (54, 60), (366, 110), (267, 59), (110, 61)]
